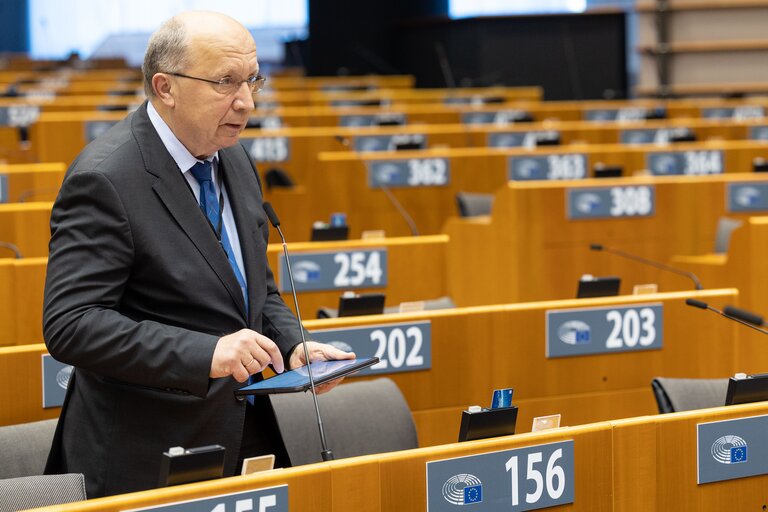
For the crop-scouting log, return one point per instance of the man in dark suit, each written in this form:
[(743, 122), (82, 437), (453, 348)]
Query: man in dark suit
[(158, 289)]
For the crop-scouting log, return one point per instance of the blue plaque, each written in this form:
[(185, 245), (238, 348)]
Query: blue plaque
[(414, 172), (95, 129), (758, 132), (519, 139), (740, 112), (611, 202), (623, 114), (500, 117), (529, 478), (652, 135), (335, 270), (572, 166), (402, 347), (19, 115), (666, 163), (388, 142), (604, 330), (732, 449), (373, 119), (3, 188), (268, 149), (270, 499), (747, 197), (55, 381)]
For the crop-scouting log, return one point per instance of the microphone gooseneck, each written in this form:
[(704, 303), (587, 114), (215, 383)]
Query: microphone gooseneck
[(13, 248), (344, 141), (745, 315), (703, 305), (656, 264), (326, 454)]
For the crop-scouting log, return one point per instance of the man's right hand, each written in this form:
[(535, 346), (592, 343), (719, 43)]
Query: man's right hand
[(243, 353)]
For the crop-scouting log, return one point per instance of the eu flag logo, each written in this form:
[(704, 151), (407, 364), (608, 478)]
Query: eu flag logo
[(738, 454), (473, 494)]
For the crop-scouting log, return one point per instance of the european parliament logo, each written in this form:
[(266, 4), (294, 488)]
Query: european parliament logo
[(730, 450), (747, 196), (664, 164), (387, 173), (306, 271), (463, 489), (588, 202), (63, 376), (574, 332), (528, 168)]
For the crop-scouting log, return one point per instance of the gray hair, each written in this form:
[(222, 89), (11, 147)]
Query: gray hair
[(166, 52)]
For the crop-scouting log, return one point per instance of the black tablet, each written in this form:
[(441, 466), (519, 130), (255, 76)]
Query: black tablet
[(298, 379)]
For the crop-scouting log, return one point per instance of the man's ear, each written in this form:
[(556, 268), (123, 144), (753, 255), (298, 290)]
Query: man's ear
[(162, 85)]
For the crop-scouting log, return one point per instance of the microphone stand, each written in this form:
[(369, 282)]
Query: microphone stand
[(703, 305), (656, 264), (326, 454)]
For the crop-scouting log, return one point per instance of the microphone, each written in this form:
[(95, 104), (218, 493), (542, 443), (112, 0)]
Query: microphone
[(703, 305), (326, 454), (656, 264), (11, 247), (344, 141), (743, 314), (445, 66)]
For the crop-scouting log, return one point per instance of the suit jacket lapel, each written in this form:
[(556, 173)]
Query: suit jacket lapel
[(172, 189), (244, 209)]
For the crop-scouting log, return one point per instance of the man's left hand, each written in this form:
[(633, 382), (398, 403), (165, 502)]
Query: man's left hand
[(319, 352)]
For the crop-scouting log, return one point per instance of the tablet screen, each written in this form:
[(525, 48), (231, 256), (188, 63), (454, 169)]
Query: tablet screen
[(298, 379)]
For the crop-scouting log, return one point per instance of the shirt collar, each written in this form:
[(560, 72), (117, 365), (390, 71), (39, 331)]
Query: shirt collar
[(181, 155)]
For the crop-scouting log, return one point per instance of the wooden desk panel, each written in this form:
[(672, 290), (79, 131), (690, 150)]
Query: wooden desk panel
[(33, 182), (742, 267), (476, 350), (26, 225), (645, 463), (416, 270), (528, 250), (654, 463)]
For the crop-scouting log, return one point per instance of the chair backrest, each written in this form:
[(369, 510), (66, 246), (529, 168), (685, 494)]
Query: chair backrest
[(675, 395), (471, 204), (359, 418), (40, 491), (725, 228), (24, 448)]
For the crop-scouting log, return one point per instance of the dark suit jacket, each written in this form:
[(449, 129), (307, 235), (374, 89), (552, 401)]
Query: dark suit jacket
[(137, 294)]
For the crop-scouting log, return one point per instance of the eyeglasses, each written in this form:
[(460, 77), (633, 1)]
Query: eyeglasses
[(227, 85)]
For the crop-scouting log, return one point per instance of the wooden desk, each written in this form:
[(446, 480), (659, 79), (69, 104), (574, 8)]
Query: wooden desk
[(416, 270), (21, 300), (476, 350), (340, 182), (295, 150), (743, 267), (27, 225), (529, 250), (646, 463), (654, 465), (32, 182)]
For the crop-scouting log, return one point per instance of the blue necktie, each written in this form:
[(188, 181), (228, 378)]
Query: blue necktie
[(209, 204)]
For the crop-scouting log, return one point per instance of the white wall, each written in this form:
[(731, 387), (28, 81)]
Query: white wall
[(58, 27), (462, 8)]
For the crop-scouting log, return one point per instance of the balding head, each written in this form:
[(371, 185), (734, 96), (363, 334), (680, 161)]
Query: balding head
[(171, 48)]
